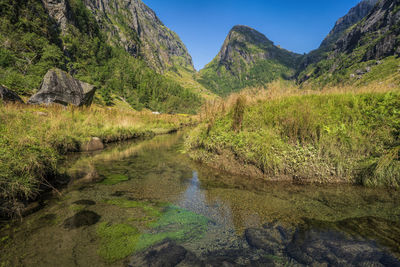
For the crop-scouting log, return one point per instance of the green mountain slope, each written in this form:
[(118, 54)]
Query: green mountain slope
[(247, 58), (36, 36)]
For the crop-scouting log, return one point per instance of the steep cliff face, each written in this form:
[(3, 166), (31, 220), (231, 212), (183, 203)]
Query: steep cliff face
[(247, 58), (370, 46), (132, 25), (355, 15)]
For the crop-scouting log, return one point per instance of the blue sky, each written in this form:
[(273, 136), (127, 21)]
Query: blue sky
[(297, 25)]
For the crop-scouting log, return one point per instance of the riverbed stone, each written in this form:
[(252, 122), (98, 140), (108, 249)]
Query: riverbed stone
[(323, 247), (272, 238), (85, 202), (94, 144), (59, 87), (165, 254), (8, 95), (82, 218)]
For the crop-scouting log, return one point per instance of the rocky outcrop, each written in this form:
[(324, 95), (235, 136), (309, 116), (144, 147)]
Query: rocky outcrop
[(134, 26), (59, 11), (355, 15), (8, 95), (59, 87), (378, 32)]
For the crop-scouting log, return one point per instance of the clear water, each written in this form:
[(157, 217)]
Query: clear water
[(147, 190)]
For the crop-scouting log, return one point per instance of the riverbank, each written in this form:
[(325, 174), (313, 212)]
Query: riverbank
[(332, 137), (34, 139)]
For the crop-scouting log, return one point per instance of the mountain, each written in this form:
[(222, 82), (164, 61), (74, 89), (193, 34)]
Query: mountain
[(362, 47), (119, 45), (247, 58), (355, 14), (131, 25)]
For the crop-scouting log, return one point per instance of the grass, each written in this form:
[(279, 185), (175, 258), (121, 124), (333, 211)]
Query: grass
[(33, 140), (346, 135)]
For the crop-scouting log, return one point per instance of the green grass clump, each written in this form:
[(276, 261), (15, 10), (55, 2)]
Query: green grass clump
[(342, 137), (114, 179)]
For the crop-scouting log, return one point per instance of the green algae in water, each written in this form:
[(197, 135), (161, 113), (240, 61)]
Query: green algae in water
[(117, 241), (148, 208), (121, 240), (114, 179), (76, 207), (176, 224)]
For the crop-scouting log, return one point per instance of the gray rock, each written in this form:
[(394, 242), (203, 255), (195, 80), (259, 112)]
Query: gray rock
[(164, 254), (58, 87), (93, 145), (273, 238), (8, 95)]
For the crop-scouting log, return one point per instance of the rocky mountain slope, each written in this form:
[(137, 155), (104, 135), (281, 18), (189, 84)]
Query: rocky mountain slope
[(355, 14), (247, 58), (120, 46), (132, 25), (365, 51)]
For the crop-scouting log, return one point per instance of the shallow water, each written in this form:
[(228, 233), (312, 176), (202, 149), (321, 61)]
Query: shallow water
[(133, 195)]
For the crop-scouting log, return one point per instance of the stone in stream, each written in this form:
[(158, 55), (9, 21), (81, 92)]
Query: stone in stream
[(85, 202), (8, 95), (82, 218), (164, 254), (272, 238), (331, 248), (59, 87)]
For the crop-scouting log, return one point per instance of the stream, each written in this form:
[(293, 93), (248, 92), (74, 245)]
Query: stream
[(145, 203)]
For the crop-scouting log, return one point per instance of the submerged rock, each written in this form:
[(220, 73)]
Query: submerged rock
[(8, 95), (85, 202), (82, 218), (61, 88), (314, 247), (273, 238), (166, 253)]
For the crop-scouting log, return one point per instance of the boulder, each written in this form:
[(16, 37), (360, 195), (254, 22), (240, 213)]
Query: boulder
[(93, 145), (61, 88), (8, 95)]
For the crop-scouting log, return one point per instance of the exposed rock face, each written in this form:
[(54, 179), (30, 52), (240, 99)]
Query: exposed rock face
[(355, 15), (61, 88), (245, 43), (59, 11), (133, 25), (8, 95), (379, 31)]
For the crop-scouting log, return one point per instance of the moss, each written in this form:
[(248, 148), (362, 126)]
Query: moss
[(117, 241), (114, 179), (121, 240)]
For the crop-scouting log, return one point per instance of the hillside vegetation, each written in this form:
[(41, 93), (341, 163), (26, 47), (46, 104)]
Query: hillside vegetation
[(281, 134), (31, 44)]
